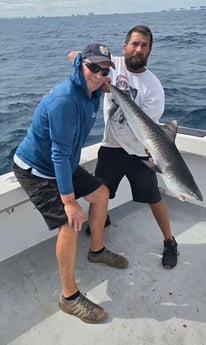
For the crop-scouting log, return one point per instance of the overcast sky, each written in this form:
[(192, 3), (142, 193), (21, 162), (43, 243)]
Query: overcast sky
[(33, 8)]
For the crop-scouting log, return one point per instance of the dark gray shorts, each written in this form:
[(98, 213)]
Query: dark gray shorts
[(44, 193), (115, 163)]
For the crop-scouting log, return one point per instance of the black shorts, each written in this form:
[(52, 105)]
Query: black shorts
[(115, 163), (44, 193)]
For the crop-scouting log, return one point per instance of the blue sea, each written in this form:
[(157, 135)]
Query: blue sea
[(33, 58)]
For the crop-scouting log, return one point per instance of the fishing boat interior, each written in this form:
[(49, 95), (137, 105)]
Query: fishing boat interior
[(146, 303)]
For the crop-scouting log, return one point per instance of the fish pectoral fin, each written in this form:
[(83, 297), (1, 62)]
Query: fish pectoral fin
[(150, 164), (170, 129)]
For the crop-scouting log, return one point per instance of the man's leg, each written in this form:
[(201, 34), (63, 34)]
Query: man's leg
[(170, 253), (97, 215), (107, 223), (71, 300), (66, 250), (110, 168), (160, 212), (145, 189)]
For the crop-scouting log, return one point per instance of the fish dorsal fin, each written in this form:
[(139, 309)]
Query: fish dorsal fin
[(170, 129)]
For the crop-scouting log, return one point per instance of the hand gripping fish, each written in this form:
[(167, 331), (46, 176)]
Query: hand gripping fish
[(159, 140)]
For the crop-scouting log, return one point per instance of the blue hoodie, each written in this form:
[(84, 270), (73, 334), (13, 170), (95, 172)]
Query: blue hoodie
[(59, 129)]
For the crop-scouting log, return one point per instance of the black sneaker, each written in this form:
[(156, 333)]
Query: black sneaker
[(107, 223), (170, 253)]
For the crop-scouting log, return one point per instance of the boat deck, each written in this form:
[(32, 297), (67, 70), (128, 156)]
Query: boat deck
[(146, 303)]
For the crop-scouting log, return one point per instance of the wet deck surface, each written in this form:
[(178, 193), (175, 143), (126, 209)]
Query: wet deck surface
[(146, 303)]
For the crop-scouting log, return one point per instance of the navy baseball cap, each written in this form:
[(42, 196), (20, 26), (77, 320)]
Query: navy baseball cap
[(97, 53)]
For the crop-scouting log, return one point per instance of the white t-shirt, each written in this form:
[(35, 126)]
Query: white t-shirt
[(147, 92)]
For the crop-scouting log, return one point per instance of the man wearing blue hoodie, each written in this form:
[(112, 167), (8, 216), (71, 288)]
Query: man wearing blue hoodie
[(46, 164)]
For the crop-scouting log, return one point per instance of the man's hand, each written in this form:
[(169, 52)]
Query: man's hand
[(148, 153), (73, 211), (72, 55), (75, 215)]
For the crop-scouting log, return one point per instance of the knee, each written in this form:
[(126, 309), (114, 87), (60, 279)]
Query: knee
[(67, 233), (103, 192), (101, 195)]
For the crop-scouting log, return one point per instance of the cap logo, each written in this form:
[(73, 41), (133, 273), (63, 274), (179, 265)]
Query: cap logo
[(104, 50)]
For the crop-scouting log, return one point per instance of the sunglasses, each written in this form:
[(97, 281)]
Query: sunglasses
[(94, 68)]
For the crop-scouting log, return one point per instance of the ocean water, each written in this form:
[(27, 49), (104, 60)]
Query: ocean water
[(33, 58)]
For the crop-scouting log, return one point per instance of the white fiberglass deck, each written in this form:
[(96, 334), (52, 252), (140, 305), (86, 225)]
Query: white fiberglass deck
[(146, 303)]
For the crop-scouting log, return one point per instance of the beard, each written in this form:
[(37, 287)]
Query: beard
[(135, 62)]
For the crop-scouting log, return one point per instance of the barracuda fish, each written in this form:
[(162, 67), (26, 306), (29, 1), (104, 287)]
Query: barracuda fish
[(159, 140)]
